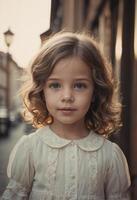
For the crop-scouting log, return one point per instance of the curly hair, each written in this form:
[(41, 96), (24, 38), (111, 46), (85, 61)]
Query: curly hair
[(104, 114)]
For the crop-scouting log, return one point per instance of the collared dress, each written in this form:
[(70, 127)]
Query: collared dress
[(44, 166)]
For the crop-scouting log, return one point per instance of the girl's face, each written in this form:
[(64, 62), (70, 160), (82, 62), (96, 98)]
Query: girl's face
[(68, 91)]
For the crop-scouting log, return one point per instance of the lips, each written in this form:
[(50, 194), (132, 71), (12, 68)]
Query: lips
[(67, 111)]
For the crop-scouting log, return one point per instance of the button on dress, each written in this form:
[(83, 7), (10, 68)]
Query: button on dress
[(44, 166)]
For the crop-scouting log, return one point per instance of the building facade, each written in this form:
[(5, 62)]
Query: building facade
[(3, 79), (10, 73)]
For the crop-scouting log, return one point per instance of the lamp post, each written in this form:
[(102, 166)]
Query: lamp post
[(8, 36)]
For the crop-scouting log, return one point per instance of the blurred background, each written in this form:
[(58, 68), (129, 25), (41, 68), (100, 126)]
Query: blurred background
[(24, 25)]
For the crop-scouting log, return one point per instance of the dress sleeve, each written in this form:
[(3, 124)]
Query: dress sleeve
[(118, 178), (20, 171)]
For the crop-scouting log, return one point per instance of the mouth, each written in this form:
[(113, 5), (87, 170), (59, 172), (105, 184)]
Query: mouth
[(67, 111)]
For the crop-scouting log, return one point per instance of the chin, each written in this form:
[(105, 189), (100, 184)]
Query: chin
[(69, 122)]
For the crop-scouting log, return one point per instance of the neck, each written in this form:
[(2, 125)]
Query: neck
[(68, 131)]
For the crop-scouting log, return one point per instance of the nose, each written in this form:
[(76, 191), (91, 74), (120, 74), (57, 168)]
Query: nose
[(67, 95)]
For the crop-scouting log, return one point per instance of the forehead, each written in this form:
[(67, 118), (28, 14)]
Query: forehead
[(71, 66)]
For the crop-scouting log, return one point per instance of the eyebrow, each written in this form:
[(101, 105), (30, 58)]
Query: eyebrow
[(77, 79)]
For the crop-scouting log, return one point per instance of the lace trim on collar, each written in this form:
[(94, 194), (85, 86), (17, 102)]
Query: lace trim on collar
[(92, 142)]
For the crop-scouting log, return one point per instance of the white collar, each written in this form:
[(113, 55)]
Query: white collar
[(92, 142)]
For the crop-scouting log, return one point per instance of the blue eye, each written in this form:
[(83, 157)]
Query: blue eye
[(80, 85), (55, 85)]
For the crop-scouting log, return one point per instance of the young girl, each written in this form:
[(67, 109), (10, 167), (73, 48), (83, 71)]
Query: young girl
[(71, 99)]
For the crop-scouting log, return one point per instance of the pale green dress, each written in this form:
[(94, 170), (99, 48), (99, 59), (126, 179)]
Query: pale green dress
[(44, 166)]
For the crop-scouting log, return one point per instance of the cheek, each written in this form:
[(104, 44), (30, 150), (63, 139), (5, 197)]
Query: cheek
[(50, 100), (47, 97), (86, 99)]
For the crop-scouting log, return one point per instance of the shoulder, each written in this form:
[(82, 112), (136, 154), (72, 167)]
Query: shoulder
[(112, 148), (114, 155), (109, 150), (31, 140)]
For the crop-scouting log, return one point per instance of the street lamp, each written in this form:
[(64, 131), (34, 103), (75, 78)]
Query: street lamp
[(8, 35)]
